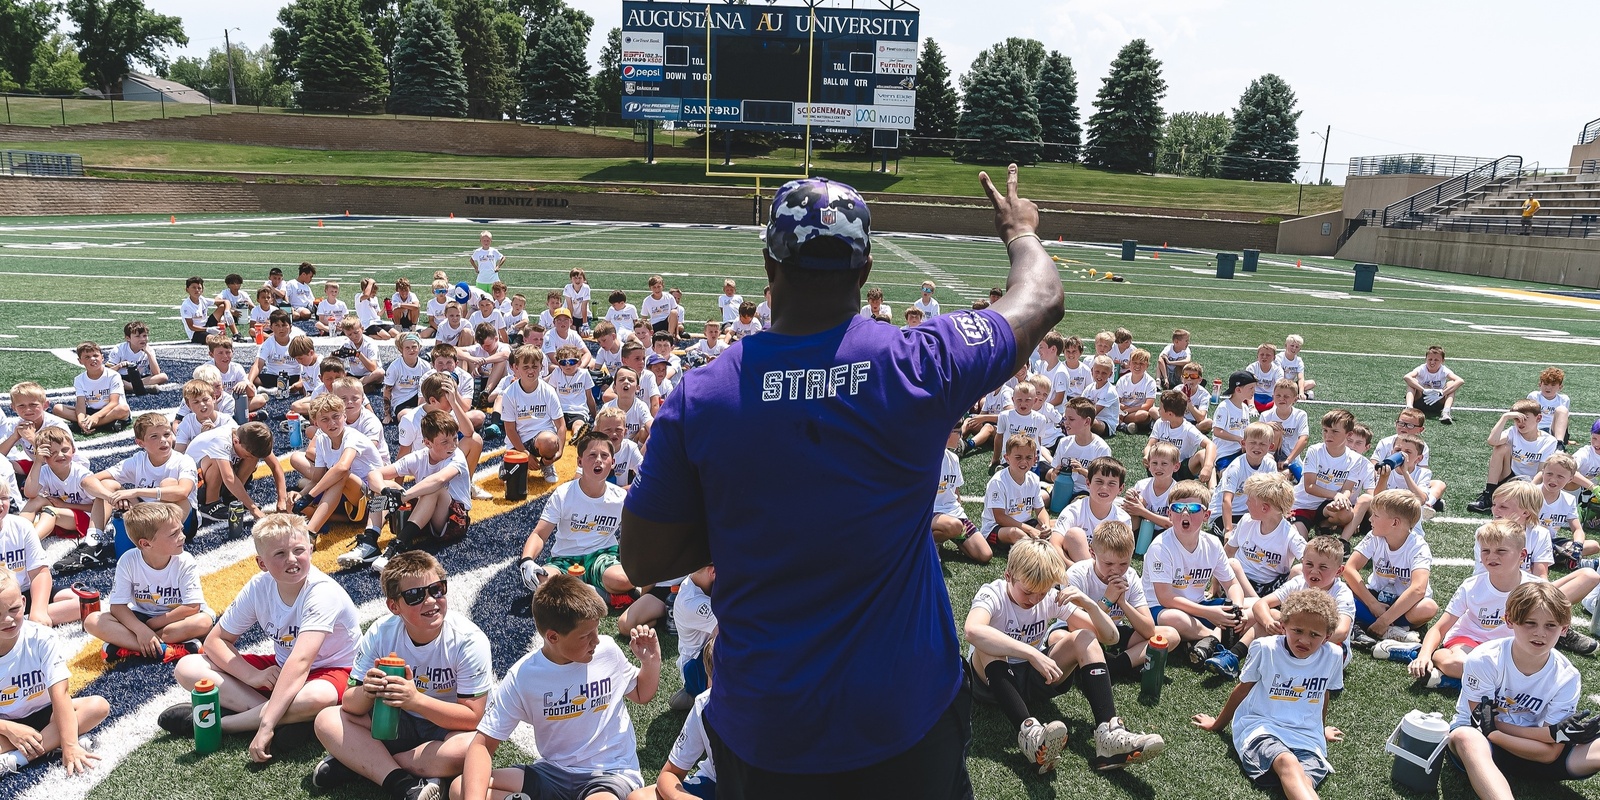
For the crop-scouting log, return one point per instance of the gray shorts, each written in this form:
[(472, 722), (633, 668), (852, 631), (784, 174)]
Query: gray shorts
[(543, 780), (1259, 753)]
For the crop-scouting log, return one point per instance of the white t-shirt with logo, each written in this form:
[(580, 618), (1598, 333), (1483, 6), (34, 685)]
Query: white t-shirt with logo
[(657, 310), (947, 500), (67, 489), (1391, 569), (1547, 697), (152, 591), (123, 353), (275, 358), (1433, 381), (1386, 447), (1265, 378), (1188, 572), (1026, 625), (573, 390), (533, 411), (456, 664), (623, 318), (584, 524), (693, 744), (1289, 695), (697, 622), (1232, 480), (137, 472), (1187, 438), (1480, 609), (1078, 514), (488, 263), (321, 606), (368, 457), (417, 466), (36, 662), (1266, 555), (1232, 419), (1588, 463), (638, 415), (1157, 502), (577, 711), (1558, 513), (1326, 470), (1132, 392), (190, 427), (1068, 449), (1527, 455), (1292, 368), (20, 547), (1034, 424), (1547, 408), (1020, 501), (299, 294), (1106, 398), (1538, 548), (575, 297), (97, 392), (1294, 427), (1082, 576)]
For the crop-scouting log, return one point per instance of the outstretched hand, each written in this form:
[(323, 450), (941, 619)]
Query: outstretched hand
[(1013, 215)]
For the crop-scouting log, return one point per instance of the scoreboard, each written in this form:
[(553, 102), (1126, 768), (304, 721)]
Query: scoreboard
[(766, 67)]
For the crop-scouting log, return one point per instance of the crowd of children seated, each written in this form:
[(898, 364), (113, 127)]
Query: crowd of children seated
[(1258, 549)]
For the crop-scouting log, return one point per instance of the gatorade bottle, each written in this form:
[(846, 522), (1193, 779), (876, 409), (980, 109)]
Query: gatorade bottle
[(1155, 671), (515, 475), (576, 571), (236, 527), (207, 717), (386, 718), (241, 408), (296, 436), (672, 604), (1216, 394)]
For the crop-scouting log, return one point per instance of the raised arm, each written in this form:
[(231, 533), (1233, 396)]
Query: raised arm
[(1033, 301)]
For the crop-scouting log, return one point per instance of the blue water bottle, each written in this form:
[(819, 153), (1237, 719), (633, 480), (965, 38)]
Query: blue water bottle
[(296, 436), (120, 539)]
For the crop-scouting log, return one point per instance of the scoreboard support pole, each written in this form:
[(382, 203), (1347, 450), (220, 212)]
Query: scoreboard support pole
[(650, 141)]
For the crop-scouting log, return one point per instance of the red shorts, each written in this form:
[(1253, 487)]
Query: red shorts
[(1310, 516), (1461, 641), (340, 678)]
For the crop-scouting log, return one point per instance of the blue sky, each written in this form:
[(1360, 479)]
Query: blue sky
[(1465, 78)]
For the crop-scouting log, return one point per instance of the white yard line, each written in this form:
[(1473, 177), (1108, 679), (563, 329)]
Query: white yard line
[(937, 274)]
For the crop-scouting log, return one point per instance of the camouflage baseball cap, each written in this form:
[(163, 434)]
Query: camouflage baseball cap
[(811, 208)]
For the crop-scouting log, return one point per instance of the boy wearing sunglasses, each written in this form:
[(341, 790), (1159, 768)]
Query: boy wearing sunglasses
[(1180, 564), (312, 625), (575, 386), (449, 673)]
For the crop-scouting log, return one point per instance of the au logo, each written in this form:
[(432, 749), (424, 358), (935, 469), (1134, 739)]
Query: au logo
[(771, 21)]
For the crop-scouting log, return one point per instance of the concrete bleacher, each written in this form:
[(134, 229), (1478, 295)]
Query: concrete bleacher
[(1569, 205)]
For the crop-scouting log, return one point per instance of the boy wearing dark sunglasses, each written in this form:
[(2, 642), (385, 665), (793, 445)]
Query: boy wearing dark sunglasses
[(442, 695), (575, 386)]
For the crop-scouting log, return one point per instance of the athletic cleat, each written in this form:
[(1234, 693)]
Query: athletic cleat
[(173, 652), (1444, 419), (1482, 504), (1402, 634), (480, 493), (1224, 663), (194, 646), (1398, 652), (330, 773), (177, 720), (550, 474), (362, 553), (8, 763), (382, 561), (429, 789), (86, 556), (1202, 650), (213, 512), (110, 652), (1590, 563), (1116, 747), (1438, 680), (1574, 642), (1042, 743), (680, 700), (1362, 640)]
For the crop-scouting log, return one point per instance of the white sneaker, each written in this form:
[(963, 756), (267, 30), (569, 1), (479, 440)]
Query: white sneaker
[(1116, 747), (550, 475), (480, 493), (1396, 633), (8, 763), (359, 556), (1042, 743)]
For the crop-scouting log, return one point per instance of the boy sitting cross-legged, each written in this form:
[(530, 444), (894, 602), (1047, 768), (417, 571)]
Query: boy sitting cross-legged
[(1068, 475), (1110, 579), (1013, 506), (1279, 710), (157, 473), (61, 490), (1264, 546), (1228, 503), (335, 463), (570, 691), (312, 625), (1517, 451), (1196, 453), (1147, 501), (1022, 648), (1180, 564), (531, 410), (227, 459), (950, 523), (439, 495), (1396, 599), (1326, 494), (98, 397), (1475, 615), (449, 673), (1320, 568), (157, 609), (44, 715), (583, 516), (1516, 714)]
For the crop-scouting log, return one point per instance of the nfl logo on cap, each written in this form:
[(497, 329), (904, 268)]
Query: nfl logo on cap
[(829, 216)]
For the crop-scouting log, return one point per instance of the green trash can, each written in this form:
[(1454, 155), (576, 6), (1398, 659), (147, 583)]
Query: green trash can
[(1365, 273), (1250, 257), (1130, 247), (1225, 264)]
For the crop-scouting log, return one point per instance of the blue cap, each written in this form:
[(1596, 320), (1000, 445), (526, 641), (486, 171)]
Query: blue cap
[(811, 208), (656, 358)]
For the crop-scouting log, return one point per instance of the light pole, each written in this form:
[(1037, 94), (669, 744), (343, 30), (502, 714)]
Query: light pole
[(233, 93), (1323, 168)]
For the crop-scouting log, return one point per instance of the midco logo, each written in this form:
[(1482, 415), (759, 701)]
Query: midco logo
[(869, 115)]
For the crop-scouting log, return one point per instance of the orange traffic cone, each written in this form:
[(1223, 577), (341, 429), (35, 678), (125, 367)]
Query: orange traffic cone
[(172, 220), (347, 212), (1155, 256), (452, 215), (1297, 263), (1163, 245), (319, 223)]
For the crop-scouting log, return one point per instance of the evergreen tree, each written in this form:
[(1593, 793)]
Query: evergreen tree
[(938, 105), (491, 90), (1057, 92), (339, 66), (293, 22), (608, 78), (1126, 125), (555, 75), (1192, 144), (428, 80), (1029, 54), (1265, 144), (1001, 116)]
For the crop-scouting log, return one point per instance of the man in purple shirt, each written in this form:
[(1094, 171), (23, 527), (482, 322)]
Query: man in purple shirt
[(837, 677)]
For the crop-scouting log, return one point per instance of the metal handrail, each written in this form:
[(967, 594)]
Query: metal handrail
[(1414, 164), (1590, 133), (1412, 207)]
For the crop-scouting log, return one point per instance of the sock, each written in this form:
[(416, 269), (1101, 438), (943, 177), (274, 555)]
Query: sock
[(94, 536), (22, 760), (1488, 488), (1095, 682), (398, 782), (412, 535), (1239, 649), (370, 536), (1122, 666)]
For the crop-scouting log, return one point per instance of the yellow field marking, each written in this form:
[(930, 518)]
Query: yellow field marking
[(227, 581)]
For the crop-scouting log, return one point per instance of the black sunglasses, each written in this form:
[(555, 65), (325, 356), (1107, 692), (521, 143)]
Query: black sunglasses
[(414, 597)]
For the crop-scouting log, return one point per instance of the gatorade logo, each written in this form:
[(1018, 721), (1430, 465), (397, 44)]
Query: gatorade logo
[(205, 715)]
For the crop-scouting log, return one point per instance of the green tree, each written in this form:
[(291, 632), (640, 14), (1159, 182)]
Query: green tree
[(293, 22), (1056, 89), (428, 80), (1126, 125), (1266, 133), (1192, 144), (512, 32), (1001, 116), (938, 105), (113, 35), (1029, 54), (608, 77), (56, 68), (555, 76), (491, 90), (252, 76), (24, 25), (339, 66)]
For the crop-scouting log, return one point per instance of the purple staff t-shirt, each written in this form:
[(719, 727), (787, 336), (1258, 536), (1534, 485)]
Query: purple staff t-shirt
[(813, 462)]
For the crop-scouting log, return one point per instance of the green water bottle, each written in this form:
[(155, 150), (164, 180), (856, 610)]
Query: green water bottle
[(207, 717), (386, 718), (1155, 671)]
